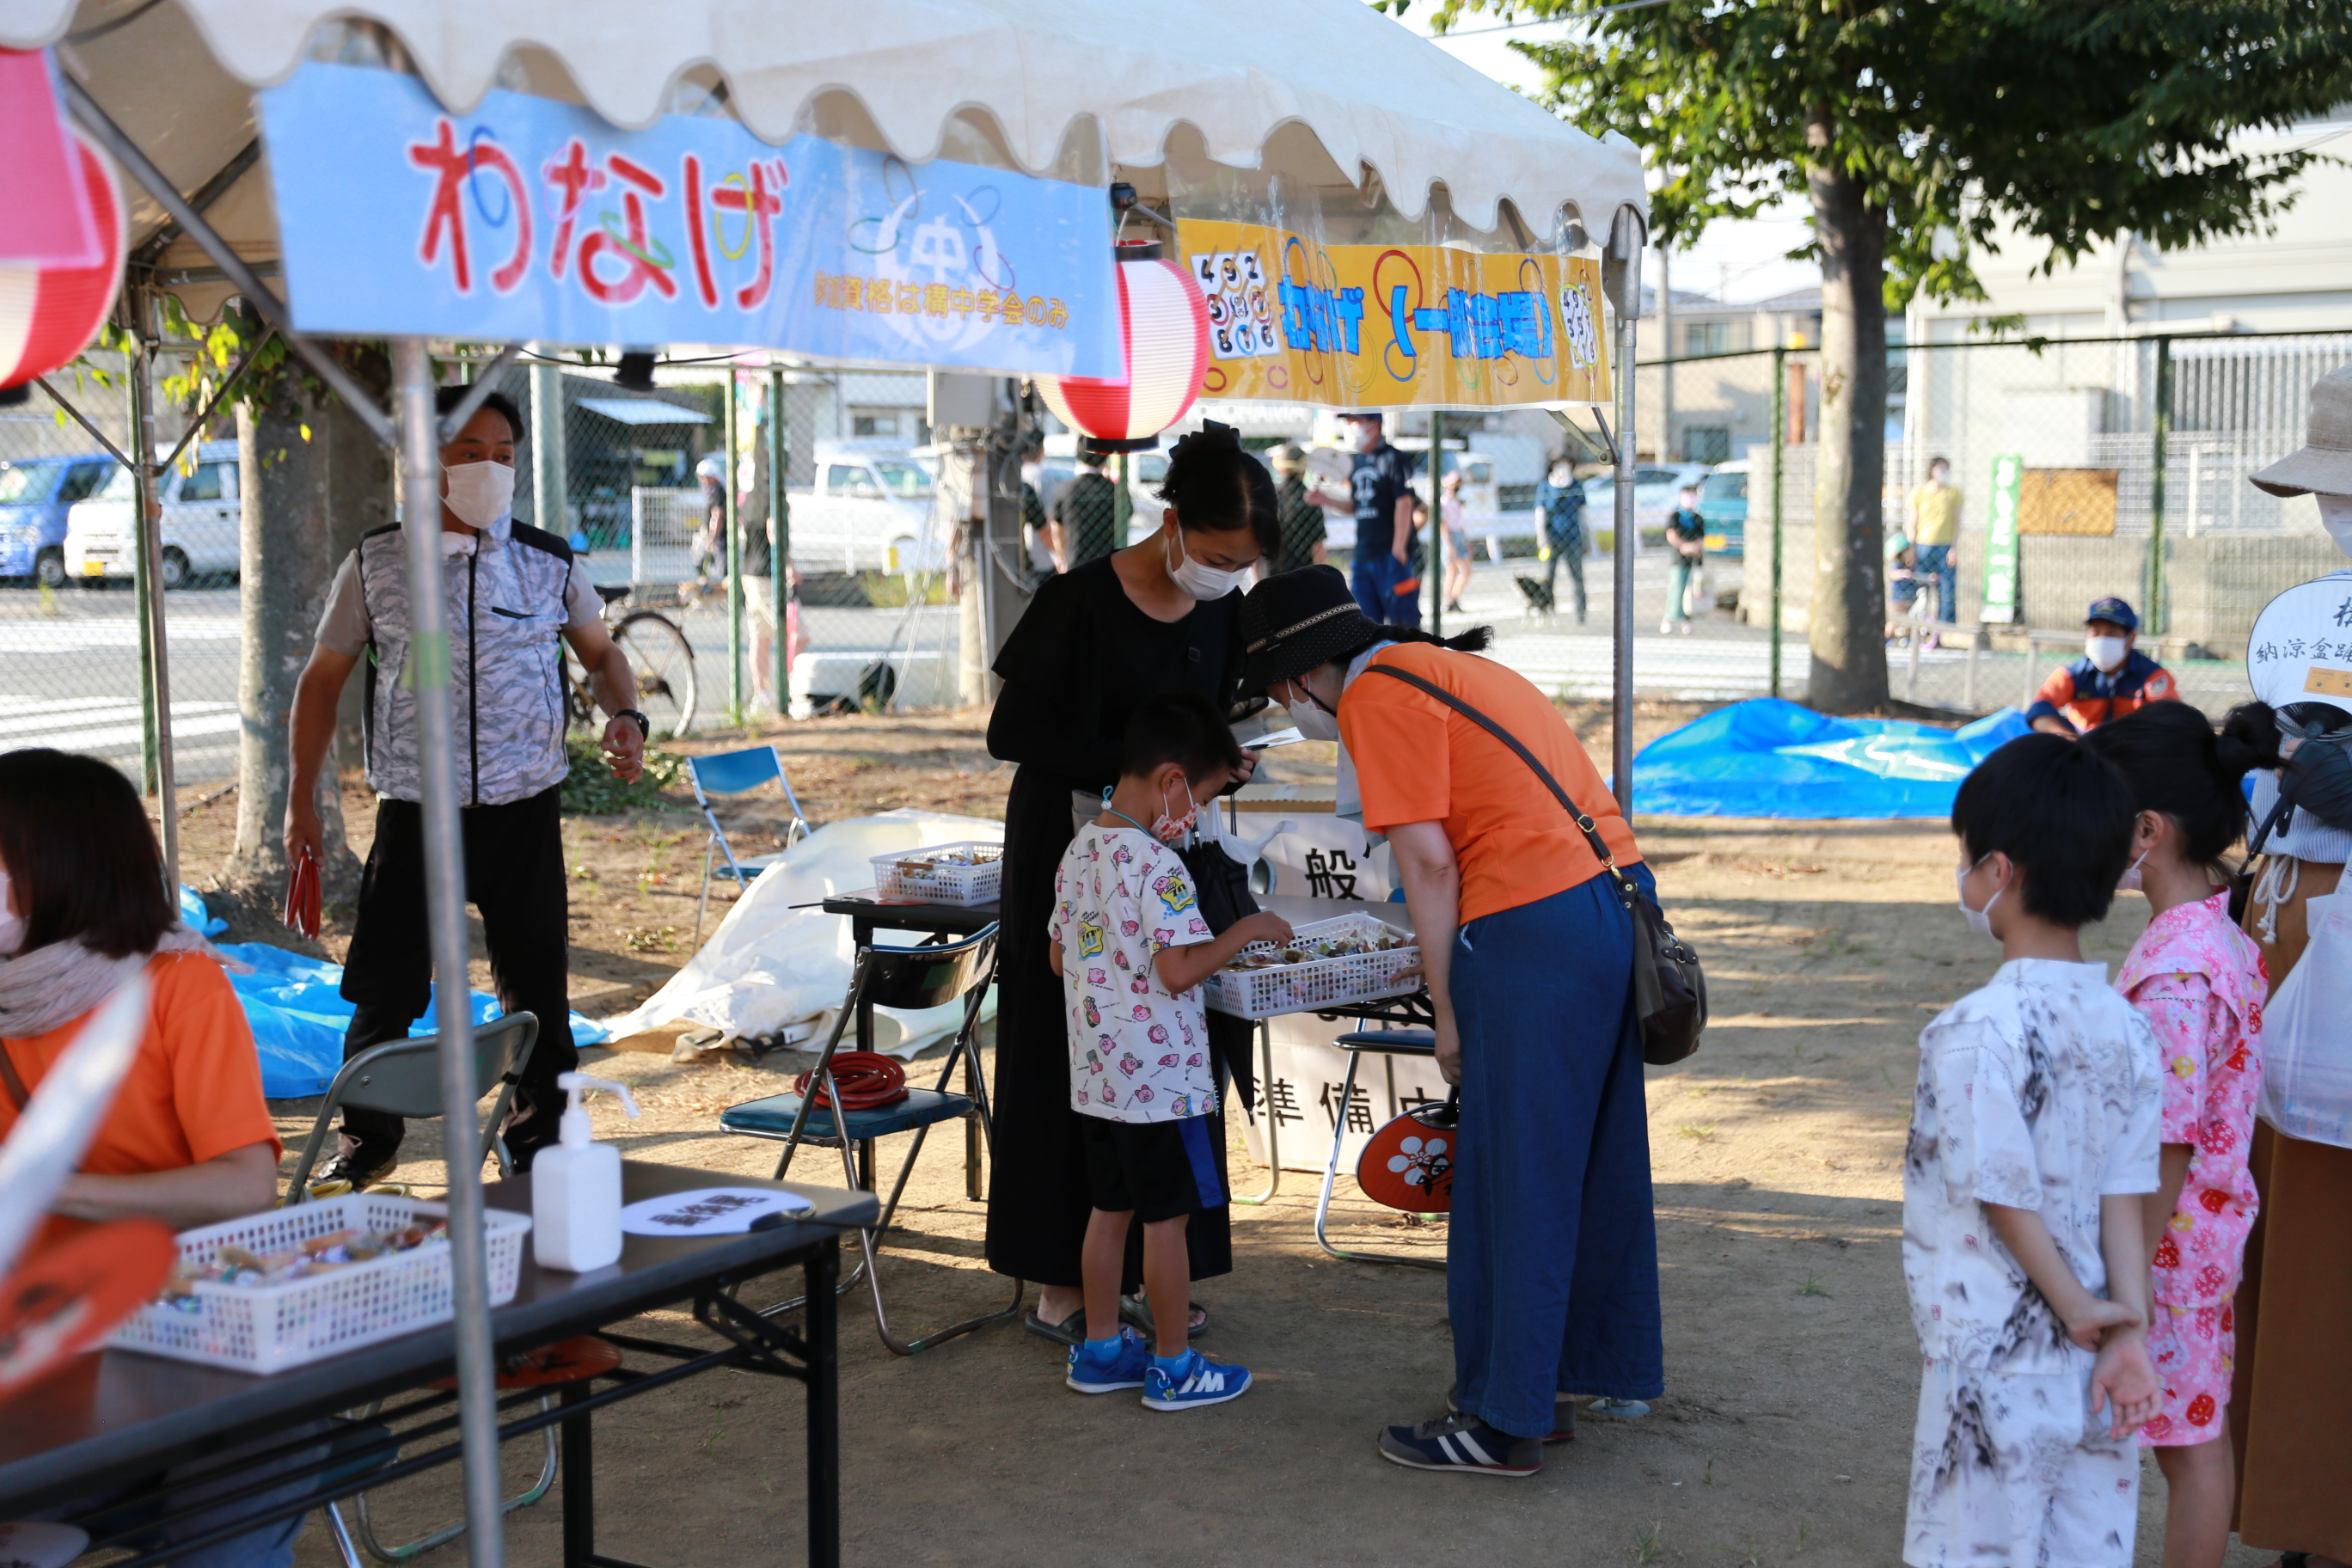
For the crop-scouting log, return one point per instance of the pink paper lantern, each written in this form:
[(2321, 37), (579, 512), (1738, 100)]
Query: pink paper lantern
[(49, 314), (1164, 338)]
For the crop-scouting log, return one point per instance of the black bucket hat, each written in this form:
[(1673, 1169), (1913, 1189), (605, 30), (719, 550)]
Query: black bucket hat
[(1299, 621)]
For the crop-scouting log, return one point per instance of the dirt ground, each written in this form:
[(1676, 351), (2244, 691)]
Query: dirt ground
[(1791, 1365)]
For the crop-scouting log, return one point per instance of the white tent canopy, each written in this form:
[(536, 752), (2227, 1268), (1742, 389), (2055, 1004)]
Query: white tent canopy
[(1330, 91), (1375, 95)]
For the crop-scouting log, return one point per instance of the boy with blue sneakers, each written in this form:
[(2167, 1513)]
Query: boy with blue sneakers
[(1132, 949)]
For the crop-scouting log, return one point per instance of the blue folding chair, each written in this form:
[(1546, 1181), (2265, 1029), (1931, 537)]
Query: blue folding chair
[(737, 772), (910, 978)]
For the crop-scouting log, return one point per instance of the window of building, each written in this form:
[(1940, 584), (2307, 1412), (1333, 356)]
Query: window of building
[(1706, 338), (873, 422), (1706, 443)]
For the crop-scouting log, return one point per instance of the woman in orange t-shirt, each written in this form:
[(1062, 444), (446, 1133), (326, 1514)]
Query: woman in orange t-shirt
[(1551, 1250), (188, 1139)]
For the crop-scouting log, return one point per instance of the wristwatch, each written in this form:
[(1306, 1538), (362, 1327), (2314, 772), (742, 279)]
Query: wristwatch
[(645, 725)]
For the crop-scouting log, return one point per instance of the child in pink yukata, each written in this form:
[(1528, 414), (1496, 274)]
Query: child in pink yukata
[(2198, 981)]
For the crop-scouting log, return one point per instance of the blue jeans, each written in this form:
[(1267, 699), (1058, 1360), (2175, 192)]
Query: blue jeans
[(1387, 589), (1678, 585), (1936, 566), (1552, 1248)]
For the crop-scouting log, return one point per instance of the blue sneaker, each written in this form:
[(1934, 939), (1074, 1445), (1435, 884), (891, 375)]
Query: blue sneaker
[(1196, 1380), (1107, 1368)]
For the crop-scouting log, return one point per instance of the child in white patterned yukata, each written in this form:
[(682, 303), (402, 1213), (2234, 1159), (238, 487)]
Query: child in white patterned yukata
[(1132, 949), (2033, 1130)]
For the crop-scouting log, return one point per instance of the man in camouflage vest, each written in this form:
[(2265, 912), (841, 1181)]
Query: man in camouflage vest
[(514, 594)]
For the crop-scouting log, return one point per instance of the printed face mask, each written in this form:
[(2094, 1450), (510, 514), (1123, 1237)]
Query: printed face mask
[(479, 493), (12, 925), (1198, 581), (2106, 653), (1169, 828), (1979, 920)]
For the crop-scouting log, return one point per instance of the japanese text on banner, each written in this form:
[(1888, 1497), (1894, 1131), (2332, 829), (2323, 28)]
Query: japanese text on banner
[(532, 220), (1389, 326)]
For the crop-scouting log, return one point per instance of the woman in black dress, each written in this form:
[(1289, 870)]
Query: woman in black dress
[(1162, 615)]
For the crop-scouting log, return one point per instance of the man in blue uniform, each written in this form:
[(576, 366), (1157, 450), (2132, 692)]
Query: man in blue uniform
[(2112, 677)]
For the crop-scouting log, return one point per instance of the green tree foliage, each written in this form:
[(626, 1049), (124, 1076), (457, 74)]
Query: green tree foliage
[(1926, 133)]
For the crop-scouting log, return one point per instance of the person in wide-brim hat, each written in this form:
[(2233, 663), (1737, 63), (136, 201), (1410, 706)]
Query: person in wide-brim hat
[(1527, 949)]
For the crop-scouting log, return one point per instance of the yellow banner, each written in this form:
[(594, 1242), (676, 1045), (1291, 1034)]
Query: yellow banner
[(1386, 326)]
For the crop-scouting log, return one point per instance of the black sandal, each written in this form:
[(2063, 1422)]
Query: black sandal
[(1071, 1330), (1136, 1310)]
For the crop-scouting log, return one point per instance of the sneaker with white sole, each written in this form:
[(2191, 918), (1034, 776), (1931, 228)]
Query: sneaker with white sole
[(1106, 1366), (1463, 1444), (1196, 1381)]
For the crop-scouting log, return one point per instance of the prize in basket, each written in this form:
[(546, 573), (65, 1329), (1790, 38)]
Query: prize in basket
[(963, 874), (1328, 963)]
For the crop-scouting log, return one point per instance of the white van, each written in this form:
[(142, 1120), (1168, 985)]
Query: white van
[(201, 522), (869, 510)]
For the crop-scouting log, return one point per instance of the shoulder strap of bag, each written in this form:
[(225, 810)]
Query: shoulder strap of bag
[(15, 1086), (1591, 834)]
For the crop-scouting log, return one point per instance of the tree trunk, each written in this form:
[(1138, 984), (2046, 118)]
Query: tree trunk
[(288, 448), (1849, 617)]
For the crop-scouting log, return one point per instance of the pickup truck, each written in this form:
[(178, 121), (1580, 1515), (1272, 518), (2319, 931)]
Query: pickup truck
[(868, 511)]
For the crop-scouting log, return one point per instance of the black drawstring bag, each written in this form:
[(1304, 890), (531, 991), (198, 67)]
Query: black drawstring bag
[(1223, 889)]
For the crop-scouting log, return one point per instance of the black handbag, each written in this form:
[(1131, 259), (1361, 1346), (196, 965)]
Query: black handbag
[(1669, 988)]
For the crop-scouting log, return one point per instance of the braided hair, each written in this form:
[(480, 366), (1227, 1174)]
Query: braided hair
[(1216, 486)]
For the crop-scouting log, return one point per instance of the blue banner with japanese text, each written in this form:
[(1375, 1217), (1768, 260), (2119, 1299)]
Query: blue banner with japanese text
[(532, 220)]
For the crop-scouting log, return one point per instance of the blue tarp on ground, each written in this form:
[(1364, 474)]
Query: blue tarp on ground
[(1768, 758), (299, 1015)]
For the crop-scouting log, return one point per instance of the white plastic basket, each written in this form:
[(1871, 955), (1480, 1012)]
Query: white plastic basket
[(1316, 983), (925, 876), (268, 1327)]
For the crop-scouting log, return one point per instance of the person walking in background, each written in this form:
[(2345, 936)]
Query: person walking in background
[(2112, 678), (1384, 578), (1560, 502), (1085, 515), (1936, 533), (1303, 532), (1457, 540), (2198, 980), (1686, 537), (2033, 1135), (1036, 526)]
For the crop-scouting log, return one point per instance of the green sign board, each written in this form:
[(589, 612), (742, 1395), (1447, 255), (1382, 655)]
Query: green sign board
[(2000, 542)]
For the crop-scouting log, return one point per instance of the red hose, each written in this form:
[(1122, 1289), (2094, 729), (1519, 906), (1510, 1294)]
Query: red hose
[(865, 1078)]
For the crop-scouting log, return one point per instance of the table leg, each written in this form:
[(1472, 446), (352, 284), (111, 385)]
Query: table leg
[(1272, 1126), (819, 1326), (579, 1483), (1330, 1174), (862, 933)]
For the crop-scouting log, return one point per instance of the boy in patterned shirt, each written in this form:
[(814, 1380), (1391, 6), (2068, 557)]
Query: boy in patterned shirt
[(1132, 949), (2033, 1130)]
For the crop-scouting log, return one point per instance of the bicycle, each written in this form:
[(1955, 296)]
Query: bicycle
[(659, 655)]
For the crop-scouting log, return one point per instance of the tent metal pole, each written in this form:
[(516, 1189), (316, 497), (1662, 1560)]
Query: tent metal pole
[(147, 538), (445, 905), (738, 706), (780, 543), (1625, 247)]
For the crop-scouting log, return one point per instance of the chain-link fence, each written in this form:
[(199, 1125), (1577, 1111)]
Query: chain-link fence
[(2072, 469)]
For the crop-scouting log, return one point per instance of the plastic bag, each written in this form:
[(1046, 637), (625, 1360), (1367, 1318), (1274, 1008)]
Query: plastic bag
[(2307, 1033)]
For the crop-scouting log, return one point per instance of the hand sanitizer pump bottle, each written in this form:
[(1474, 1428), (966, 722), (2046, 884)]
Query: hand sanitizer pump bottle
[(575, 1188)]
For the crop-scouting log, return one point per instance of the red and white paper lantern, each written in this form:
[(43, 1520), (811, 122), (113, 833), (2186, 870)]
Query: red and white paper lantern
[(1163, 326), (49, 314)]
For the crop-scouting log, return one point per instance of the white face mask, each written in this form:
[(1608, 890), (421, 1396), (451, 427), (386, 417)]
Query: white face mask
[(2129, 881), (1979, 920), (12, 924), (1315, 721), (1560, 475), (2106, 653), (479, 493), (2335, 516), (1367, 435), (1200, 582)]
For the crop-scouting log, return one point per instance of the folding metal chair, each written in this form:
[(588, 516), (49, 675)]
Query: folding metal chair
[(737, 772), (403, 1077), (905, 977), (1391, 1044)]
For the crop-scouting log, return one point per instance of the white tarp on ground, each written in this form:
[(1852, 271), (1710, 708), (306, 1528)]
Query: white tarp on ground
[(768, 965)]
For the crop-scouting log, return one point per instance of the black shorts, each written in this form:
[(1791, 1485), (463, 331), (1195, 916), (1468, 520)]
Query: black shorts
[(1157, 1169)]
